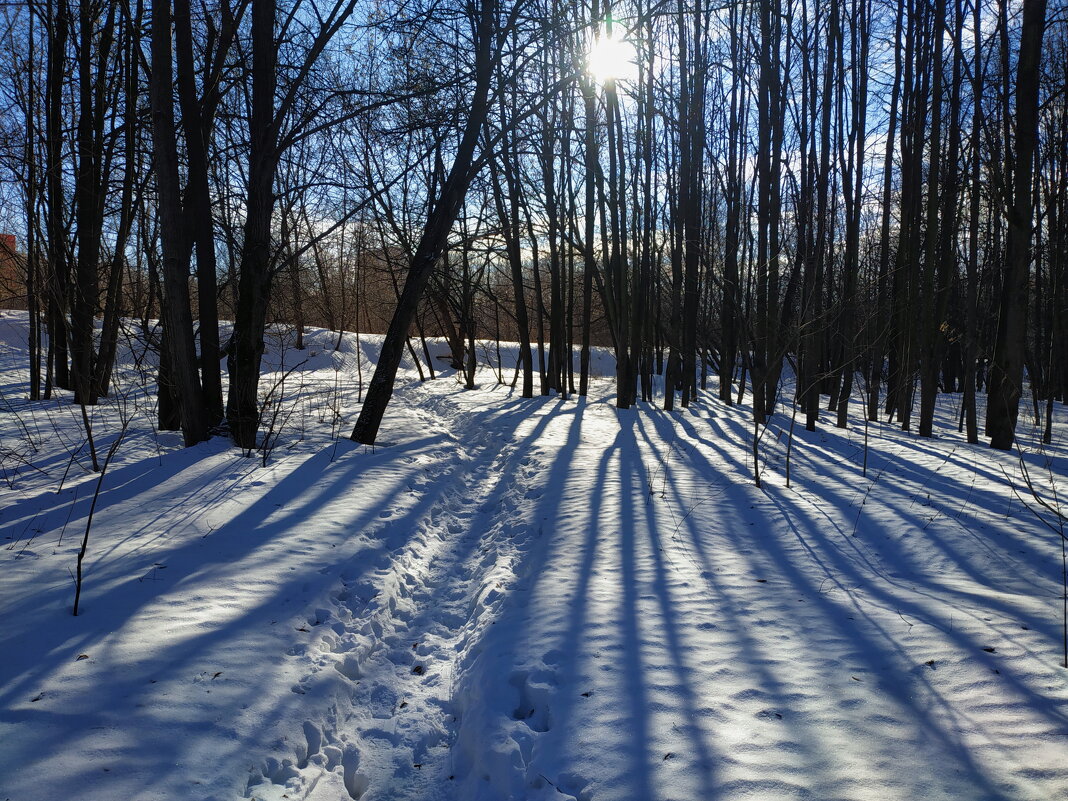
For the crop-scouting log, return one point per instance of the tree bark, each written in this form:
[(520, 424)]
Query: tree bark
[(433, 239), (177, 317), (1006, 370)]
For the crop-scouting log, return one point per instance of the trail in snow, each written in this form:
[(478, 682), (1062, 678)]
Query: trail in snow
[(395, 632)]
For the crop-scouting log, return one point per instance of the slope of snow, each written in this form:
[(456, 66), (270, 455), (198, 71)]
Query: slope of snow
[(522, 599)]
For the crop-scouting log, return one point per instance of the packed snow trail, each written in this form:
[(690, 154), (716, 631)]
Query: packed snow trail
[(395, 632)]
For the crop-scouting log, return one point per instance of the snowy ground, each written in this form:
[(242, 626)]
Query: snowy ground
[(522, 599)]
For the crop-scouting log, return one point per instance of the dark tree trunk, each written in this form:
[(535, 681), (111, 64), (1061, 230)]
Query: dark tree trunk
[(510, 220), (930, 354), (32, 199), (854, 187), (58, 252), (88, 198), (884, 283), (730, 310), (433, 239), (1006, 370), (690, 167), (113, 301), (254, 280), (177, 317), (196, 127)]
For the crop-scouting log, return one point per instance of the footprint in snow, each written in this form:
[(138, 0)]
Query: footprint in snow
[(534, 692), (553, 658), (320, 617)]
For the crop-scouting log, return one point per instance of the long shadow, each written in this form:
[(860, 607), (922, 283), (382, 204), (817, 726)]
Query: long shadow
[(585, 542), (881, 594), (576, 544), (281, 509), (284, 504), (633, 669), (733, 603), (827, 553), (914, 515), (536, 544), (482, 467), (905, 486), (635, 477), (253, 529), (866, 651), (870, 650)]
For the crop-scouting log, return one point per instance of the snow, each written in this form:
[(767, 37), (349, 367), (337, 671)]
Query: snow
[(522, 599)]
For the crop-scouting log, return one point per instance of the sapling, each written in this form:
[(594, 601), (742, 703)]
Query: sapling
[(89, 436), (125, 417), (760, 386), (1057, 527), (70, 463), (863, 388), (864, 470), (70, 513), (790, 438), (335, 408), (92, 508), (756, 452), (274, 426), (500, 364), (10, 410), (329, 409), (864, 500), (359, 369), (9, 454)]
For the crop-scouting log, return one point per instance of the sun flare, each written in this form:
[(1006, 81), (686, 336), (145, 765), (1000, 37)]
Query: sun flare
[(612, 59)]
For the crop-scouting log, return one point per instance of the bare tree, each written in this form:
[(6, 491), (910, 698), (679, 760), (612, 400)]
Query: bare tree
[(1006, 373)]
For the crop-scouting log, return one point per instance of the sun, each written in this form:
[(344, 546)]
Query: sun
[(612, 59)]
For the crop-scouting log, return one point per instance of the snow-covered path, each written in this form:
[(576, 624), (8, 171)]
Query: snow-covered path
[(403, 628), (539, 599), (689, 636)]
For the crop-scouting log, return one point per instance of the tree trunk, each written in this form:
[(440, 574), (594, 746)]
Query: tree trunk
[(58, 251), (433, 239), (254, 280), (1006, 370), (196, 126), (177, 317)]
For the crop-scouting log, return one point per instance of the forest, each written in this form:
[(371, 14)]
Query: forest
[(874, 192), (530, 399)]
